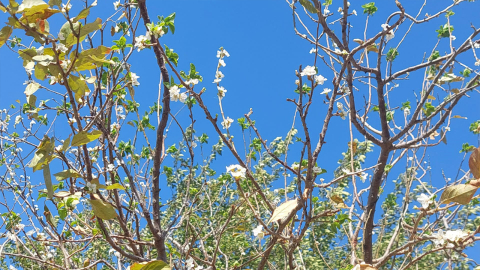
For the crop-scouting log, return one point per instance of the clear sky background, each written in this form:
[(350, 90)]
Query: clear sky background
[(260, 73)]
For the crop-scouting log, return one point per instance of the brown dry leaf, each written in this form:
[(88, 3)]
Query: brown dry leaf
[(474, 163)]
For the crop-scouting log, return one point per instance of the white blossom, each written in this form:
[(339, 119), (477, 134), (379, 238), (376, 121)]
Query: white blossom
[(189, 263), (218, 76), (313, 50), (110, 167), (92, 187), (227, 123), (192, 81), (134, 78), (442, 237), (320, 79), (317, 170), (30, 67), (236, 171), (390, 33), (424, 200), (221, 91), (222, 63), (66, 8), (354, 12), (406, 111), (326, 91), (116, 5), (140, 42), (258, 232), (308, 71), (61, 48), (222, 52)]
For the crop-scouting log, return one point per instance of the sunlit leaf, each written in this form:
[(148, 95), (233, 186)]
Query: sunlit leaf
[(70, 173), (43, 155), (284, 210), (31, 88), (82, 15), (48, 180), (153, 265), (31, 100), (308, 6), (461, 194), (78, 86), (84, 31), (84, 137), (115, 186), (359, 41), (103, 210), (5, 34), (66, 144)]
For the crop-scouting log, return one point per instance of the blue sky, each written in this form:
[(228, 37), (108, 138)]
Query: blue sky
[(260, 73)]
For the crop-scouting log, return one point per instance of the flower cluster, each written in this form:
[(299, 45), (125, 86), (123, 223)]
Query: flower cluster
[(175, 94), (141, 41), (227, 122), (341, 111), (449, 237)]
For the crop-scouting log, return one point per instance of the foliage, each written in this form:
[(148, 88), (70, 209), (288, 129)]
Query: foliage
[(277, 206)]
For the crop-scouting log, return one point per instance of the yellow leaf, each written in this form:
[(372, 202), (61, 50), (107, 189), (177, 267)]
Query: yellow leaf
[(461, 194), (115, 186), (458, 116), (103, 210), (153, 265), (359, 41), (67, 174), (5, 34), (83, 137)]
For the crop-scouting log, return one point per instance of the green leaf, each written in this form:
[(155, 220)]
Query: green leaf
[(474, 163), (5, 34), (284, 210), (44, 154), (53, 3), (461, 194), (84, 31), (41, 72), (31, 100), (78, 86), (103, 209), (70, 173), (153, 265), (66, 144), (49, 217), (309, 6), (66, 31), (48, 180), (83, 137), (82, 15), (369, 8), (91, 58)]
